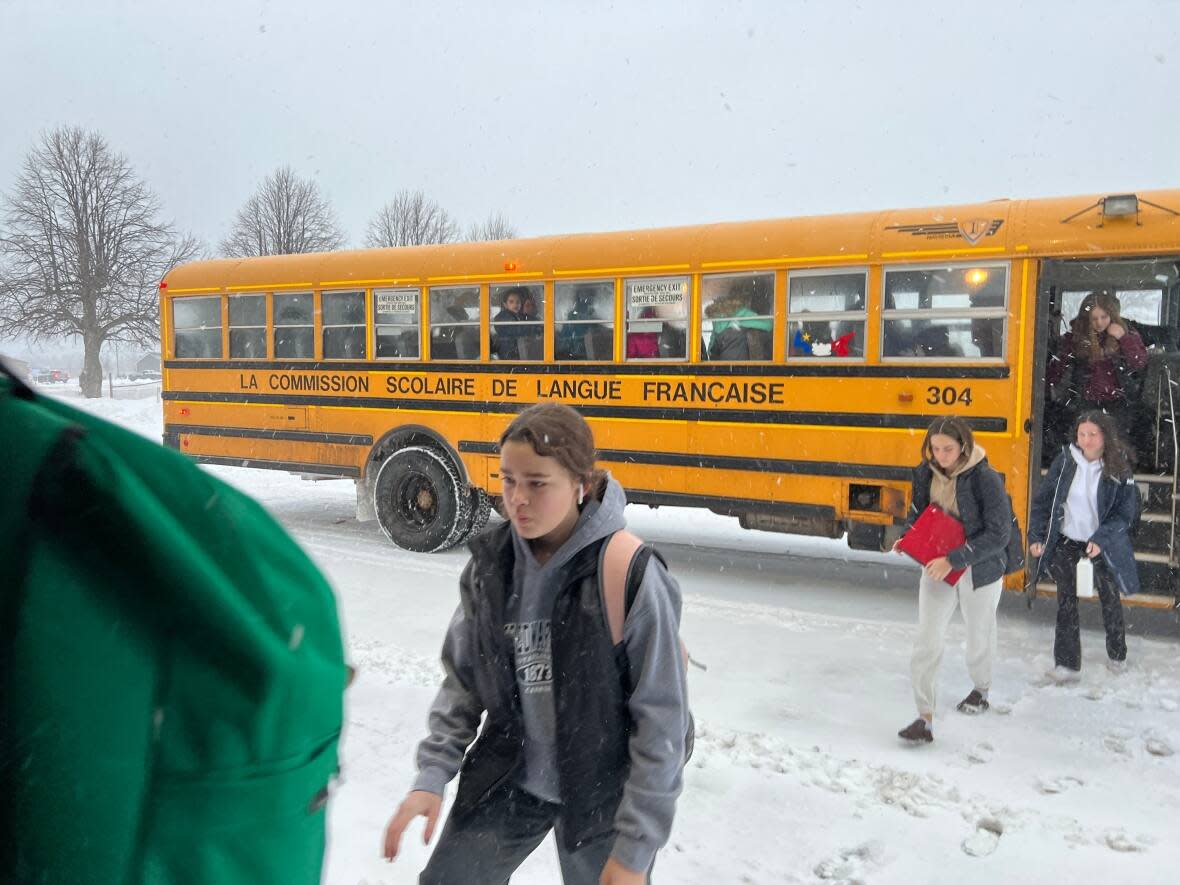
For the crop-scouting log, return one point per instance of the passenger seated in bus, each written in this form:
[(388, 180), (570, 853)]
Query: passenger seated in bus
[(672, 342), (738, 333), (643, 339), (505, 334), (450, 342), (572, 336), (531, 338), (1098, 363), (935, 341)]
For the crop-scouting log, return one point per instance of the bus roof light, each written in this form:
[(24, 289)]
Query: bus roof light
[(1120, 206), (163, 285)]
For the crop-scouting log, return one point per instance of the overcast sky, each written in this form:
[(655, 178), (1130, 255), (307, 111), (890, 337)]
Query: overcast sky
[(575, 116)]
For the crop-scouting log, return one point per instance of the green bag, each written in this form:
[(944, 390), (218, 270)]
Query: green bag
[(171, 663)]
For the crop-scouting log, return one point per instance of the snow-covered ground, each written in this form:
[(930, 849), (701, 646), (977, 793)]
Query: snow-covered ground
[(797, 775)]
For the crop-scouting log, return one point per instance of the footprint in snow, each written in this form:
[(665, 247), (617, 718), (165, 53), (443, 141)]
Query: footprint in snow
[(850, 865), (1117, 840), (1050, 786), (1156, 743), (981, 753), (985, 839), (1116, 743)]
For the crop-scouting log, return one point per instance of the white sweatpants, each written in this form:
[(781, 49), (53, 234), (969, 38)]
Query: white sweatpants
[(936, 606)]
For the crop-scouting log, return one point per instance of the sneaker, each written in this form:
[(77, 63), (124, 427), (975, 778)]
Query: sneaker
[(973, 703), (1061, 674), (917, 732)]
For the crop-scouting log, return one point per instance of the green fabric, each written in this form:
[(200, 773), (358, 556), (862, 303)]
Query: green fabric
[(172, 666), (738, 321)]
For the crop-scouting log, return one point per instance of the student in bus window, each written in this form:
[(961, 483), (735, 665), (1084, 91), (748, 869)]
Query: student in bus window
[(738, 333), (573, 335), (530, 339), (934, 340), (643, 339), (582, 714), (955, 476), (1098, 361), (506, 334)]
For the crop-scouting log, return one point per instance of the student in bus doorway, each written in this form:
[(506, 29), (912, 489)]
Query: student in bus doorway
[(1097, 365), (1085, 507), (585, 731), (954, 475)]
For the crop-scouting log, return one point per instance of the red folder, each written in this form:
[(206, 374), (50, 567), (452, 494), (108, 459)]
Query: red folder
[(934, 533)]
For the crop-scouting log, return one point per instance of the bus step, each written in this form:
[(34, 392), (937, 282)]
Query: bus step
[(1161, 558), (1146, 600), (1156, 517), (1162, 478)]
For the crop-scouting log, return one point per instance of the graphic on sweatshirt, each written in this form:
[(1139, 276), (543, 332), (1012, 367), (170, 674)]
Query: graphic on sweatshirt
[(533, 655)]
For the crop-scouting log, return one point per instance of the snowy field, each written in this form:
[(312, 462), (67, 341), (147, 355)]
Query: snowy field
[(798, 775)]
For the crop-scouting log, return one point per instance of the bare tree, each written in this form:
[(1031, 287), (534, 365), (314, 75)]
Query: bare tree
[(497, 227), (84, 250), (286, 215), (411, 219)]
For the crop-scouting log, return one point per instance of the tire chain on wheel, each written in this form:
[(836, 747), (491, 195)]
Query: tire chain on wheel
[(463, 501)]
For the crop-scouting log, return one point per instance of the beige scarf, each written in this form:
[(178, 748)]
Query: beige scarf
[(942, 484)]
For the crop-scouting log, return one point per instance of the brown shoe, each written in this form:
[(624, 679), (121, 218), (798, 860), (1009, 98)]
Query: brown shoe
[(917, 732), (973, 703)]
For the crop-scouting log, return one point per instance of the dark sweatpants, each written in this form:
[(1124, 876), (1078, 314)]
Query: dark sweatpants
[(494, 839), (1067, 642)]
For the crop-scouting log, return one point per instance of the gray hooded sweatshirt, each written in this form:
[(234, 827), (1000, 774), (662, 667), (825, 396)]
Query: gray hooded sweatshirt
[(658, 703)]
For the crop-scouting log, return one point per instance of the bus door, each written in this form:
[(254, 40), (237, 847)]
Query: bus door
[(1145, 294)]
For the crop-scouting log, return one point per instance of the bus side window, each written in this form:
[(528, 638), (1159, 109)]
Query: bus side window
[(737, 321), (196, 324), (826, 314), (247, 327), (584, 314), (518, 326), (344, 325), (395, 324), (945, 312), (293, 333), (454, 323), (657, 318)]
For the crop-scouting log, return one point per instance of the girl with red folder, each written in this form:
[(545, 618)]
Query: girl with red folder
[(955, 477)]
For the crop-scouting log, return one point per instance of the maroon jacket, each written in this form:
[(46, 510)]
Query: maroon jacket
[(1098, 381)]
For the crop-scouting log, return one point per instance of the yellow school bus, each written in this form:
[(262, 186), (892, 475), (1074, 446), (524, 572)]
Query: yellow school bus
[(782, 372)]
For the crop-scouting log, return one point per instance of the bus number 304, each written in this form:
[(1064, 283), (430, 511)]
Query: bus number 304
[(948, 396)]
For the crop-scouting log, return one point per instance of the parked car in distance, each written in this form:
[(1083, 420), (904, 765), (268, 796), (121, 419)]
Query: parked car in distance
[(49, 376)]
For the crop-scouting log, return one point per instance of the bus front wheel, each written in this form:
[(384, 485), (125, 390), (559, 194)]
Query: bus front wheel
[(420, 501)]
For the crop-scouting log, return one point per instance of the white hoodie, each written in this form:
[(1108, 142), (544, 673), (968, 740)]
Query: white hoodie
[(1081, 505)]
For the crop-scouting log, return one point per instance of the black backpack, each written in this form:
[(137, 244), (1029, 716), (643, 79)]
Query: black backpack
[(1014, 553)]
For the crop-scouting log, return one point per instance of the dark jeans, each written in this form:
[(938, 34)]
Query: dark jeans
[(1067, 642), (487, 846)]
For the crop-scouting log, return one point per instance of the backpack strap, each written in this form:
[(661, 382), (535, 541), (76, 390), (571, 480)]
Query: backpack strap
[(615, 568)]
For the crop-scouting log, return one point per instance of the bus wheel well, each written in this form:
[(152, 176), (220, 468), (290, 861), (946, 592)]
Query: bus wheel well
[(407, 436)]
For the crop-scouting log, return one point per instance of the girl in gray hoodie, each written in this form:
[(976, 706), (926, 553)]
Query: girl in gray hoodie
[(580, 733)]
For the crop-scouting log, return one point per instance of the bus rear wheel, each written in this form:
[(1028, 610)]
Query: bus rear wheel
[(421, 504)]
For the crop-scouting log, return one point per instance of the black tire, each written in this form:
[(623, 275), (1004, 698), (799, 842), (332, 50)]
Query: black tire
[(481, 509), (420, 502)]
